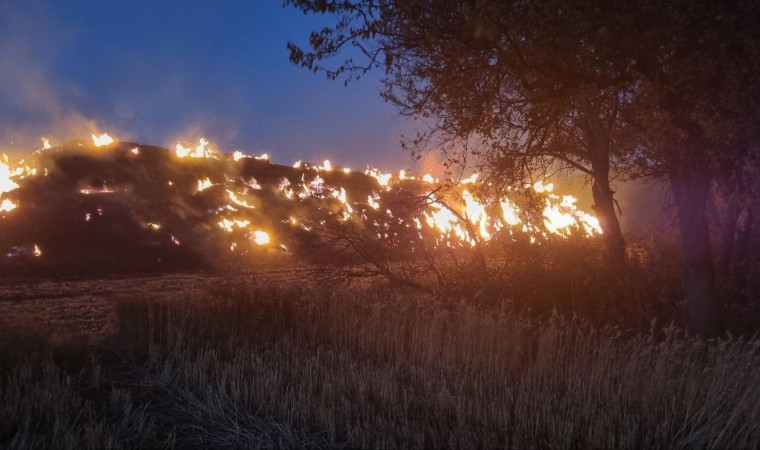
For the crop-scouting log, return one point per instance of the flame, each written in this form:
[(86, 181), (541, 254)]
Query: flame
[(455, 216), (37, 252), (372, 202), (475, 212), (7, 206), (228, 225), (45, 143), (382, 178), (203, 184), (252, 183), (264, 157), (469, 180), (540, 187), (236, 200), (202, 150), (509, 212), (559, 218), (102, 139), (429, 179), (261, 237)]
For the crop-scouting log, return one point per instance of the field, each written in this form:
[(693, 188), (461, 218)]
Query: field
[(267, 360)]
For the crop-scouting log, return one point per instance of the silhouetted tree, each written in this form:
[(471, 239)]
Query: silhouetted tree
[(633, 88), (492, 72)]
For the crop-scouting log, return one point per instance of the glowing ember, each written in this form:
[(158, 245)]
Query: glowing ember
[(101, 140), (91, 191), (37, 252)]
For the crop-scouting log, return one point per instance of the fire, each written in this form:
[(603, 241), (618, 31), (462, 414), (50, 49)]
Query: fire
[(202, 150), (228, 225), (6, 176), (452, 214), (382, 178), (45, 143), (7, 206), (101, 140), (429, 179), (558, 218), (203, 184), (261, 237), (509, 212), (236, 200)]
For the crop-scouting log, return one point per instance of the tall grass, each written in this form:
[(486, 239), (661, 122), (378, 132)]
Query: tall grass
[(246, 366)]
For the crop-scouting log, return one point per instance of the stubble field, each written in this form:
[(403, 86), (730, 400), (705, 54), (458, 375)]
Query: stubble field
[(267, 360)]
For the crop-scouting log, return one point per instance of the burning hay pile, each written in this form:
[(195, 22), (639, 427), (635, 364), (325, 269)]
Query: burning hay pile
[(98, 206)]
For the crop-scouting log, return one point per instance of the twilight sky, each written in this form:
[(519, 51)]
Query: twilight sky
[(158, 71)]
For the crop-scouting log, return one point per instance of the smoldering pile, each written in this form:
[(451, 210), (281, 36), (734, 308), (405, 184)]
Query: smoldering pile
[(107, 206), (131, 207)]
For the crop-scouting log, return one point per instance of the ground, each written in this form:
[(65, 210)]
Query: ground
[(85, 307)]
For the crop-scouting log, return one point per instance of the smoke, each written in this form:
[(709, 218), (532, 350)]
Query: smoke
[(33, 104)]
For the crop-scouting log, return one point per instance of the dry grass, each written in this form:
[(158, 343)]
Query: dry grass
[(243, 366)]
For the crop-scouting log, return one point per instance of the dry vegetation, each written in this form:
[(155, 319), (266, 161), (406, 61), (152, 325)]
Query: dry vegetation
[(249, 365)]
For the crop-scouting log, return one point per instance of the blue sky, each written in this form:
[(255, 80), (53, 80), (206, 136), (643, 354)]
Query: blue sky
[(158, 71)]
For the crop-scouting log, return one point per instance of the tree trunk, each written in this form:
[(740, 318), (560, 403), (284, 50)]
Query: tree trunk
[(596, 135), (740, 263), (691, 185), (604, 206), (728, 237)]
